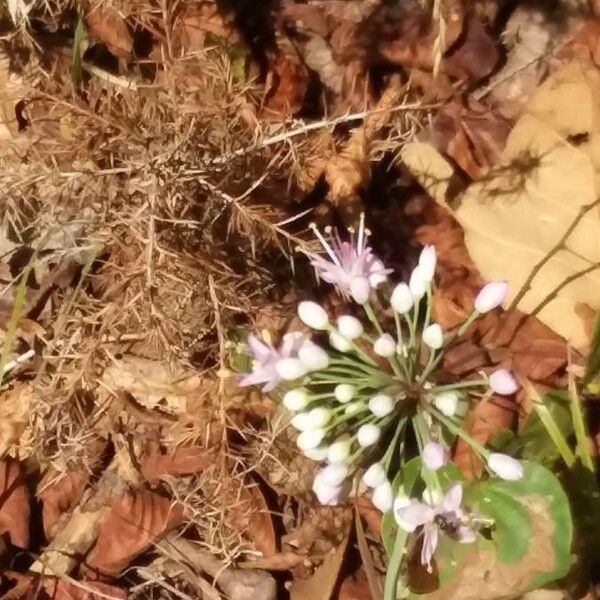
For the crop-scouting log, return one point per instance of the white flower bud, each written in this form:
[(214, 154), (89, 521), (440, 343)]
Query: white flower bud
[(383, 497), (368, 435), (506, 467), (313, 315), (295, 400), (435, 456), (446, 403), (339, 342), (333, 475), (503, 382), (319, 417), (313, 357), (385, 345), (374, 475), (376, 279), (290, 368), (381, 405), (344, 392), (354, 408), (417, 284), (402, 299), (433, 336), (349, 327), (310, 439), (301, 422), (491, 296), (339, 451), (360, 289), (317, 454), (427, 262), (326, 494)]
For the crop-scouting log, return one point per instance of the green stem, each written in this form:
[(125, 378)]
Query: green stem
[(459, 431), (390, 589), (456, 386), (373, 317), (581, 435), (472, 317)]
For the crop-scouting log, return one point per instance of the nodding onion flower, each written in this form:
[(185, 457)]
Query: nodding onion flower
[(362, 382)]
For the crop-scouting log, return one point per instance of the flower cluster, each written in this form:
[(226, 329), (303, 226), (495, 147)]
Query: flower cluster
[(370, 393)]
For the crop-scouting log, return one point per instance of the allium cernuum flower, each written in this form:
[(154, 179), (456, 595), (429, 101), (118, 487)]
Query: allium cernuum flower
[(265, 358), (350, 266)]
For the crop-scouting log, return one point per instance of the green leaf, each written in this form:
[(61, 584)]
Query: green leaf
[(592, 370), (530, 543), (405, 479), (534, 443)]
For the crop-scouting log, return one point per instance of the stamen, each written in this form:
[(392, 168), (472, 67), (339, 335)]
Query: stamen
[(361, 231), (325, 243)]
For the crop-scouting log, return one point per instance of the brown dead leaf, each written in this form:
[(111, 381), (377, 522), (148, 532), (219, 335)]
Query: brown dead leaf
[(105, 24), (355, 587), (61, 497), (407, 36), (286, 85), (250, 514), (134, 522), (11, 91), (29, 587), (486, 419), (584, 43), (201, 18), (183, 460), (322, 583), (14, 503), (370, 514)]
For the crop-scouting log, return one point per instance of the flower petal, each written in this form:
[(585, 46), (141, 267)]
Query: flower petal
[(452, 499), (259, 349), (466, 535), (411, 516), (430, 542)]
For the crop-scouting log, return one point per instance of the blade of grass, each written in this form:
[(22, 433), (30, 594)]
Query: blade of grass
[(581, 434), (551, 427), (76, 61)]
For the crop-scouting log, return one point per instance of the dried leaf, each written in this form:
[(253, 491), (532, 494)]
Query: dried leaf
[(355, 587), (370, 514), (584, 43), (540, 157), (60, 497), (183, 460), (251, 516), (486, 419), (11, 93), (287, 83), (134, 522), (14, 503), (105, 24), (152, 384), (16, 404), (201, 18), (322, 583)]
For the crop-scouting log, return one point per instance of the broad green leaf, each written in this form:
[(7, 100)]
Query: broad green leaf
[(531, 514)]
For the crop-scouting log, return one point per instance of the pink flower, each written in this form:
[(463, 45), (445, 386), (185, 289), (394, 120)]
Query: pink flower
[(502, 382), (350, 266), (265, 359), (445, 515)]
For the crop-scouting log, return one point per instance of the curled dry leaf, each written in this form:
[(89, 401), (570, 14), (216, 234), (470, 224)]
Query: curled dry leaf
[(105, 24), (485, 420), (134, 522), (183, 460), (60, 497), (287, 83), (251, 516), (322, 583), (282, 561), (14, 503), (370, 514)]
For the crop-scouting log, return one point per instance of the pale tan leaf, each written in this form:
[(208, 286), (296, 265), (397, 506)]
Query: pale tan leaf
[(518, 216), (15, 406), (10, 94)]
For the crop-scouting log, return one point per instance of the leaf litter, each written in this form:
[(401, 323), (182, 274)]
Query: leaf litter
[(159, 200)]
